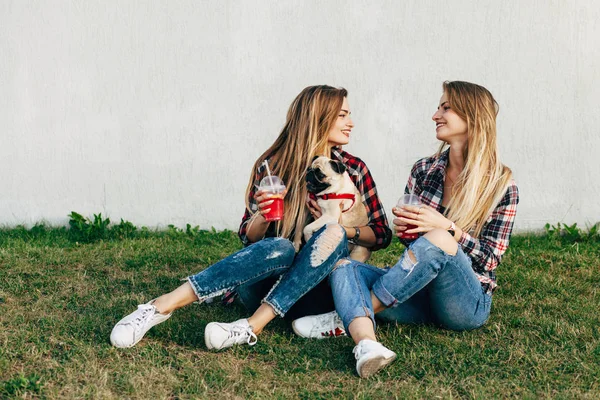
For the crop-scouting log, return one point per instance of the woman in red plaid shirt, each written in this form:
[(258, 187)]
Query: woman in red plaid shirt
[(318, 123), (446, 276)]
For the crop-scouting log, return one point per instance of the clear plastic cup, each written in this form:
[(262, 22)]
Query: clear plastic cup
[(409, 200), (276, 187)]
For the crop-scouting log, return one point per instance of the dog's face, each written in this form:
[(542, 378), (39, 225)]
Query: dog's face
[(323, 174)]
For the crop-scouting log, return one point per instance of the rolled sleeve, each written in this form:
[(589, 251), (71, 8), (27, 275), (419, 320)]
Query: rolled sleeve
[(487, 251)]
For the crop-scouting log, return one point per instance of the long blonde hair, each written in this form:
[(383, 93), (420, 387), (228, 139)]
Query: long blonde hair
[(309, 119), (484, 179)]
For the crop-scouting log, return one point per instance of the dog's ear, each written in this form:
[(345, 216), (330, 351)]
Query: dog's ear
[(314, 158), (337, 166)]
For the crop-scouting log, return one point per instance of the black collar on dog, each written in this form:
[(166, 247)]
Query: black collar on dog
[(335, 196)]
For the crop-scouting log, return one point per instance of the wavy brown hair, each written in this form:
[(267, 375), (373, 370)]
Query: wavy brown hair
[(309, 119), (484, 179)]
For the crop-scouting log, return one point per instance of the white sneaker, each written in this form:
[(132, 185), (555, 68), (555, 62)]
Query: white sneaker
[(371, 356), (221, 335), (319, 326), (131, 329)]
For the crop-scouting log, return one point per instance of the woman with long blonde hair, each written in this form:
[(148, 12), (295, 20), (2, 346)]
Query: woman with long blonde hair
[(318, 123), (447, 275)]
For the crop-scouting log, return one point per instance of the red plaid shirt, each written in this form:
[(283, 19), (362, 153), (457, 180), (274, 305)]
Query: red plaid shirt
[(427, 180), (362, 179)]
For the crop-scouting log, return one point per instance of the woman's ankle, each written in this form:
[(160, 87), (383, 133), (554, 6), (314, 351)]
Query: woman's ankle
[(162, 306), (180, 297), (362, 328), (261, 317)]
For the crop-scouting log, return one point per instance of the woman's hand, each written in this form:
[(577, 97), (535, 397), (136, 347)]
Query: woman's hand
[(399, 225), (313, 208), (316, 211), (263, 200), (425, 219)]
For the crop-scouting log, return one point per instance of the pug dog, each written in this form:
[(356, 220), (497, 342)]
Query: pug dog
[(339, 199)]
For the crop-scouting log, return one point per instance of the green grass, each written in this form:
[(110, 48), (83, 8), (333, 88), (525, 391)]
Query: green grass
[(59, 300)]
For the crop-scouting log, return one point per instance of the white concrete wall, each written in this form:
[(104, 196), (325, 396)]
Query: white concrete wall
[(154, 111)]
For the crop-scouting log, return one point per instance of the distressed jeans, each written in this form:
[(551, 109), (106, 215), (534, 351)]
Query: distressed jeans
[(275, 258), (438, 288)]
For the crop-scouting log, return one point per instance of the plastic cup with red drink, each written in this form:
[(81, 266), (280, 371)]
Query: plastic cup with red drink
[(409, 200), (274, 186)]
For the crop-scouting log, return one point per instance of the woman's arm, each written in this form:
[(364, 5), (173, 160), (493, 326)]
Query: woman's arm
[(377, 233), (414, 185), (247, 223), (486, 250), (367, 237), (254, 226)]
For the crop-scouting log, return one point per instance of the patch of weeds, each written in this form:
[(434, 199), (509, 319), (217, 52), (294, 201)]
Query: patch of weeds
[(85, 230), (192, 232), (124, 230), (572, 233), (174, 231), (38, 231), (21, 386), (189, 231)]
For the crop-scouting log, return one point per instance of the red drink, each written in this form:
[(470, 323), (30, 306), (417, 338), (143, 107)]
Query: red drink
[(409, 200), (276, 209), (274, 186), (410, 236)]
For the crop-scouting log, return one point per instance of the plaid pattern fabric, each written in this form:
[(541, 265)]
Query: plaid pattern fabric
[(427, 180), (362, 179)]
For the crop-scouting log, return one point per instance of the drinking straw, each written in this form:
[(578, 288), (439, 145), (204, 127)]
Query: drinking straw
[(266, 163)]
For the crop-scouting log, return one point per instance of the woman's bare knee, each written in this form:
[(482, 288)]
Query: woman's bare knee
[(326, 244), (443, 240), (341, 263), (412, 256)]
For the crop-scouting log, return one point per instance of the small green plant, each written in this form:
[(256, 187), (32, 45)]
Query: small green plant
[(189, 230), (38, 230), (85, 230), (124, 230), (192, 232), (572, 233), (563, 231), (174, 231), (594, 231)]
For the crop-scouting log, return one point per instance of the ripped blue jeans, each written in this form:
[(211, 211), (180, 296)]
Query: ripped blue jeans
[(275, 258), (438, 288)]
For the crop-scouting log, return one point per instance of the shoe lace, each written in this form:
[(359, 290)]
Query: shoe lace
[(337, 321), (364, 347), (139, 319), (240, 333), (327, 322), (357, 351)]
